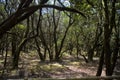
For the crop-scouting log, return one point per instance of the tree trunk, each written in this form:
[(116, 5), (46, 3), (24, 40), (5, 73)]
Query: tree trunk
[(39, 51), (13, 44), (115, 52), (16, 59), (107, 50), (101, 62), (108, 27), (90, 55), (5, 61), (17, 52)]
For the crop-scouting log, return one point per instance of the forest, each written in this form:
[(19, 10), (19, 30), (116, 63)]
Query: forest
[(60, 39)]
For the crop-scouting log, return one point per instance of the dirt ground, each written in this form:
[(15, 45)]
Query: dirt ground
[(69, 67)]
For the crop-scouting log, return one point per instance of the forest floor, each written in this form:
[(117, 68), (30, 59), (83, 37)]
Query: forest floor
[(69, 67)]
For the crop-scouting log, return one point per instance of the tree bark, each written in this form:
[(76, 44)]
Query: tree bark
[(100, 66)]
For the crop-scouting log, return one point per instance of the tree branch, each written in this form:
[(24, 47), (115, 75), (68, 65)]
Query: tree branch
[(24, 13)]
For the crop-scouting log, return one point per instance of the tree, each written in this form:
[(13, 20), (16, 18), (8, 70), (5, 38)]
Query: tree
[(109, 24)]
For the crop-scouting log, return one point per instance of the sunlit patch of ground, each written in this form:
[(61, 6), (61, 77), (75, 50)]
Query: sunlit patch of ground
[(30, 66)]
